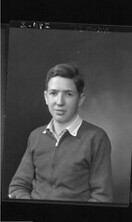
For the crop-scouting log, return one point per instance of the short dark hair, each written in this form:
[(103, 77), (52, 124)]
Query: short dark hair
[(67, 70)]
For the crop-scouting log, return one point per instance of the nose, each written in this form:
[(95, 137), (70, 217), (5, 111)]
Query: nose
[(60, 100)]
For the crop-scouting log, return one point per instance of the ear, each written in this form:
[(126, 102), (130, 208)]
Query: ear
[(81, 100), (46, 97)]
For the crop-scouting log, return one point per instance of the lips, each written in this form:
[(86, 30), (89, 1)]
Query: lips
[(59, 111)]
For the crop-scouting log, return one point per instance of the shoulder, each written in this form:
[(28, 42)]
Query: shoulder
[(90, 130), (96, 136), (37, 131), (34, 137), (86, 126)]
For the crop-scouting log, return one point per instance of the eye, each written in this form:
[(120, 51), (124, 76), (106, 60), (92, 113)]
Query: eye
[(69, 94), (53, 93)]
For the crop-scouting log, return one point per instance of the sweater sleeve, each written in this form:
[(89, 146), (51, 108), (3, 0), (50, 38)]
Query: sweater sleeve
[(21, 184), (101, 183)]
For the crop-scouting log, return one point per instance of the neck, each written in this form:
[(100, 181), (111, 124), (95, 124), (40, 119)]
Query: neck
[(59, 127)]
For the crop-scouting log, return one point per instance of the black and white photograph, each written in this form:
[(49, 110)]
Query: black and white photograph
[(67, 116)]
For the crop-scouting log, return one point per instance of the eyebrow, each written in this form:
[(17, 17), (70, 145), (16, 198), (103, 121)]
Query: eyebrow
[(68, 90)]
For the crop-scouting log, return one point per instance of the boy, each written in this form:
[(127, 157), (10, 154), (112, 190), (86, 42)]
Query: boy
[(68, 159)]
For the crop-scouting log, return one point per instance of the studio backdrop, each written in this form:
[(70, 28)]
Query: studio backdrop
[(104, 58)]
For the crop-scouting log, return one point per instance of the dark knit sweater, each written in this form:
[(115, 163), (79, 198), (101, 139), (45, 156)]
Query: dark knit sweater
[(78, 169)]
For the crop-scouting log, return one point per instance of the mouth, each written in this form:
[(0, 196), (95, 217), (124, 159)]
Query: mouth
[(60, 111)]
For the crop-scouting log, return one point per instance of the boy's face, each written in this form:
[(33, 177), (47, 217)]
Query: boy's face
[(63, 99)]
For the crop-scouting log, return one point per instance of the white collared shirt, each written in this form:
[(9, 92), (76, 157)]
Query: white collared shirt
[(72, 128)]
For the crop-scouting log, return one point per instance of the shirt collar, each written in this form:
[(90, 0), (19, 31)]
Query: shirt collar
[(72, 128)]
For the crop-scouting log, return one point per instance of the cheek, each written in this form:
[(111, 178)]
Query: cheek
[(73, 106), (50, 108), (49, 104), (49, 101)]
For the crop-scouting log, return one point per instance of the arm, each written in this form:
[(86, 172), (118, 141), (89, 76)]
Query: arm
[(21, 184), (101, 183)]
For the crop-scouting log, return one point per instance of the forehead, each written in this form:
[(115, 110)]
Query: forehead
[(61, 83)]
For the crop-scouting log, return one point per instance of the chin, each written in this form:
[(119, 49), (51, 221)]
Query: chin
[(60, 120)]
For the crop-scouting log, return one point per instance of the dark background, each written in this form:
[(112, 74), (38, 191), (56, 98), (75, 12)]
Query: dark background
[(117, 12), (90, 12)]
